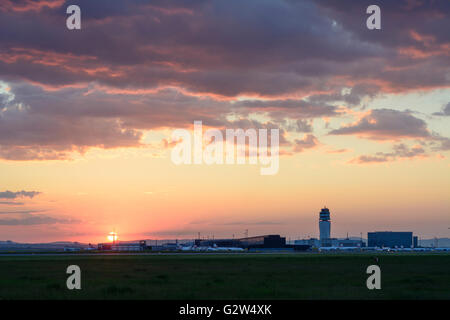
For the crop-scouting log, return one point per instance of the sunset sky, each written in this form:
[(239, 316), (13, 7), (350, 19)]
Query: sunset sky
[(86, 117)]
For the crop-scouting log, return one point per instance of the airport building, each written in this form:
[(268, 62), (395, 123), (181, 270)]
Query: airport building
[(230, 243), (265, 241), (345, 243), (312, 242), (391, 239), (331, 242), (268, 241), (122, 246)]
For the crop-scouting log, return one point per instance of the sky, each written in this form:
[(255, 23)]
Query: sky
[(87, 116)]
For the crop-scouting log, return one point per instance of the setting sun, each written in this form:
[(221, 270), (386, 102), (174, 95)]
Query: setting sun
[(112, 236)]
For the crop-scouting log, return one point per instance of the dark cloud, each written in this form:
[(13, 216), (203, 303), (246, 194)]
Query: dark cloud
[(439, 143), (291, 108), (297, 60), (204, 51), (18, 194), (227, 48), (402, 151), (399, 18), (351, 98), (445, 111), (386, 124)]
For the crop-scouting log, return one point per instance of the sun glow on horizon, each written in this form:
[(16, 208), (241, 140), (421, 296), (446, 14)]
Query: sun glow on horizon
[(112, 236)]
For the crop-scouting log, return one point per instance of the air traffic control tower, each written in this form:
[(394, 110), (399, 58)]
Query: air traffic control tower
[(324, 224)]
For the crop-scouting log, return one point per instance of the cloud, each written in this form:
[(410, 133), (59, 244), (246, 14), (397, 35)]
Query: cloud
[(303, 126), (307, 142), (386, 124), (445, 145), (369, 159), (144, 47), (227, 48), (398, 17), (445, 111), (26, 212), (338, 151), (31, 217), (35, 126), (12, 203), (29, 5), (19, 194), (36, 220), (47, 129), (352, 97), (400, 151), (289, 107), (440, 143)]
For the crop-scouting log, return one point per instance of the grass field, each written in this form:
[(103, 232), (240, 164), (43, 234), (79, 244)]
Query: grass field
[(235, 276)]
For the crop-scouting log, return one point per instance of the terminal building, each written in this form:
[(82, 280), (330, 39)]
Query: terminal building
[(312, 242), (391, 239), (331, 242), (265, 241), (268, 241), (122, 246)]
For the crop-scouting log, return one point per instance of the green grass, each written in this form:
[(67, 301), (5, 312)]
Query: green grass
[(237, 276)]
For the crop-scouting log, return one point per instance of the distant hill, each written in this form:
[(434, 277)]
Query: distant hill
[(6, 242), (60, 245)]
